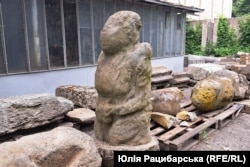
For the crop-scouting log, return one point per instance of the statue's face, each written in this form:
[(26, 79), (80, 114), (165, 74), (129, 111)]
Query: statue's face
[(120, 31)]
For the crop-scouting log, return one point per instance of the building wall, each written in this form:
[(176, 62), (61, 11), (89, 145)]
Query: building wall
[(47, 82), (47, 43), (213, 8)]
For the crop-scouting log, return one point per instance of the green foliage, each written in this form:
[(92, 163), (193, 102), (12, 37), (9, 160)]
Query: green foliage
[(209, 49), (193, 39), (245, 32), (240, 8), (226, 39)]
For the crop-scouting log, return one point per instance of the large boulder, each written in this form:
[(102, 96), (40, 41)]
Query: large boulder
[(212, 93), (81, 96), (62, 146), (167, 100), (29, 111), (202, 71), (240, 83)]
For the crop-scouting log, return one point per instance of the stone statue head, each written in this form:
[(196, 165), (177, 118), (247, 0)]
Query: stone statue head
[(120, 31)]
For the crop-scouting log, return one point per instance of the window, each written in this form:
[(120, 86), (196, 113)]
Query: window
[(13, 21), (71, 32), (168, 34), (54, 33), (40, 35), (2, 60), (36, 36)]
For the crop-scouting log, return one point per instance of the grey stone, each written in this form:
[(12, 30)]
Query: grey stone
[(82, 115), (81, 96), (160, 70), (29, 111), (167, 100), (62, 146), (202, 71), (240, 83), (123, 82)]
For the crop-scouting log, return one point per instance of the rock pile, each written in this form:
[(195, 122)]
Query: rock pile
[(162, 77)]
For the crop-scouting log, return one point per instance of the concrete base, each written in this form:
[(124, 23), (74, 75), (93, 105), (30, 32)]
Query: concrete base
[(107, 151)]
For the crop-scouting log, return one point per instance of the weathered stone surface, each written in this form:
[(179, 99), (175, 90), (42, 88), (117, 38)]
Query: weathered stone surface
[(246, 71), (83, 115), (29, 111), (239, 81), (202, 71), (82, 96), (212, 93), (123, 82), (160, 70), (161, 79), (107, 151), (62, 146), (237, 68), (165, 120), (183, 115), (167, 100), (186, 116), (242, 69)]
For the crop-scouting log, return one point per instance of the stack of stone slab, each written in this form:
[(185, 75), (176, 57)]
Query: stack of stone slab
[(181, 79), (162, 77)]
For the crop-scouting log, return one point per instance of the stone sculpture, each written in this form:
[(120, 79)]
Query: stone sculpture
[(123, 83)]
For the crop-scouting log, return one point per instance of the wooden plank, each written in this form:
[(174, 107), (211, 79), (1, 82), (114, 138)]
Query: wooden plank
[(170, 134), (157, 130), (178, 129), (190, 108), (228, 115), (216, 112), (186, 103), (177, 143), (228, 112)]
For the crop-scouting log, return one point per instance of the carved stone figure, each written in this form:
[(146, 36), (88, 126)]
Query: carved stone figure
[(123, 83)]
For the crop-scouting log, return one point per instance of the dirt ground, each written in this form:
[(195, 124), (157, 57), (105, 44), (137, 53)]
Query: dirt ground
[(233, 137)]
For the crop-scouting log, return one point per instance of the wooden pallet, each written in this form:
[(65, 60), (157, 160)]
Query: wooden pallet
[(183, 138), (228, 115)]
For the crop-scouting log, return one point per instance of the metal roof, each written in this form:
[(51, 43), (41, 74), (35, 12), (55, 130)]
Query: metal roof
[(189, 9)]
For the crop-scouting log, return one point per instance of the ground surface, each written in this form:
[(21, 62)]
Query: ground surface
[(234, 136)]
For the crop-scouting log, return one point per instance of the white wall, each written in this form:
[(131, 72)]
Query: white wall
[(47, 82), (213, 8)]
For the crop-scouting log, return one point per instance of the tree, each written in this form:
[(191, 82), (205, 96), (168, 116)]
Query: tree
[(240, 8), (193, 39)]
